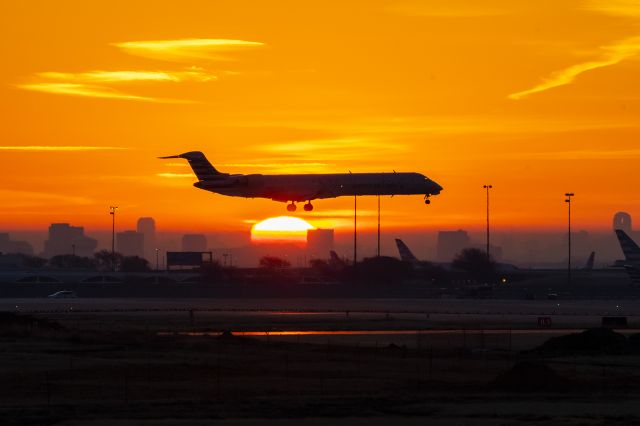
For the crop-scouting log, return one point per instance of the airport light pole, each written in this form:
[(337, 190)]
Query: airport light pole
[(355, 230), (112, 212), (487, 188), (568, 201), (378, 225)]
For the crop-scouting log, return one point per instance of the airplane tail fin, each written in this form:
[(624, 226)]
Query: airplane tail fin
[(405, 253), (335, 260), (200, 165), (629, 247), (590, 261)]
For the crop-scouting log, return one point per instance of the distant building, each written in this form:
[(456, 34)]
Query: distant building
[(450, 243), (67, 239), (15, 247), (622, 220), (319, 243), (130, 243), (194, 242), (147, 227)]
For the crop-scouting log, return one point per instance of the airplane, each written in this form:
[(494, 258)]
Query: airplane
[(631, 256), (306, 187)]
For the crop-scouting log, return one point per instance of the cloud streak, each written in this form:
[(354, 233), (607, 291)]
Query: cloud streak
[(192, 74), (186, 50), (175, 175), (629, 8), (629, 154), (45, 148), (612, 55), (85, 90)]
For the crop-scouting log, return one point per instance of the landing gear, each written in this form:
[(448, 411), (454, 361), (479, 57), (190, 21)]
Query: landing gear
[(426, 199), (308, 207), (292, 207)]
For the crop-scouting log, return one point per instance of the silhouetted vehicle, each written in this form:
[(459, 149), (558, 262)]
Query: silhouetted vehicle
[(63, 294), (306, 187)]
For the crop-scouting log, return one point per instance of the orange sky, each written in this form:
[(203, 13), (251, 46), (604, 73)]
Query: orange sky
[(536, 98)]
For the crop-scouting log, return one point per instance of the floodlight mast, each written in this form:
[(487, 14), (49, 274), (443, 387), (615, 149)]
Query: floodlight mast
[(568, 201)]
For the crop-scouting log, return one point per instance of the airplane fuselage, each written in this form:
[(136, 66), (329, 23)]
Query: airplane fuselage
[(304, 187)]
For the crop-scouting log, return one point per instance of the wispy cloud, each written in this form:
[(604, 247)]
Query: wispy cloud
[(611, 55), (86, 90), (335, 149), (191, 74), (187, 49), (25, 199), (273, 165), (175, 175), (97, 84), (628, 154), (57, 148), (630, 8), (447, 10)]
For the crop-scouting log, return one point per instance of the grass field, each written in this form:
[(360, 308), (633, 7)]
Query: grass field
[(93, 369)]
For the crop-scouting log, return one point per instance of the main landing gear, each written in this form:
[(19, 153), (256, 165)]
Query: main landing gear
[(307, 207), (426, 199)]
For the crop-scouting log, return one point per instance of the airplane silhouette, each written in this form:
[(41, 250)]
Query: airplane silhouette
[(306, 187)]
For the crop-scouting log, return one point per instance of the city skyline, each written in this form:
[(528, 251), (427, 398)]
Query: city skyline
[(550, 108)]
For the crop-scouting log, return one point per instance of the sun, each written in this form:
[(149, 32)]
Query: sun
[(281, 229)]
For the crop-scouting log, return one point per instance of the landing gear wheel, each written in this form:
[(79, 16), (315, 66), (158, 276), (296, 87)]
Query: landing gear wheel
[(427, 201), (291, 207), (308, 207)]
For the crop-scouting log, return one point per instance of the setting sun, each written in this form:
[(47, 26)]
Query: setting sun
[(284, 229)]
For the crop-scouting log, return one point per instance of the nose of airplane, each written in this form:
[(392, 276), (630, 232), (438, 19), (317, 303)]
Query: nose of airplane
[(436, 188)]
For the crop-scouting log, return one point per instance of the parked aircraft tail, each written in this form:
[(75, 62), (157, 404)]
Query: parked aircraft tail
[(405, 253), (335, 260), (590, 261), (200, 165), (629, 247)]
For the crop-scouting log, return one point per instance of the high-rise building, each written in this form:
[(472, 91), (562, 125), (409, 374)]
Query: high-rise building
[(130, 243), (67, 239), (450, 243), (319, 243), (194, 242), (147, 227)]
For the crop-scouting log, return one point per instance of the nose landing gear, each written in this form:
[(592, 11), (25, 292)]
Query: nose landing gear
[(292, 207), (426, 199), (308, 207)]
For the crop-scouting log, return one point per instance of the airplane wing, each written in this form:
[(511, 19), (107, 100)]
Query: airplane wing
[(298, 197)]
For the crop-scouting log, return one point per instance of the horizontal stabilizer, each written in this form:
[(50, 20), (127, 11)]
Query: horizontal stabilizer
[(200, 165)]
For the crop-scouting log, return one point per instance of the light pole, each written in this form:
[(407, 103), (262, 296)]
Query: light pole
[(157, 260), (355, 231), (112, 212), (487, 188), (378, 225), (568, 201)]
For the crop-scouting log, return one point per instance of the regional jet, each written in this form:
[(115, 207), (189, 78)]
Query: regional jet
[(294, 188)]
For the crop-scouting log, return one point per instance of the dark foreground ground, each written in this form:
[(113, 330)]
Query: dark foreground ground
[(108, 368)]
